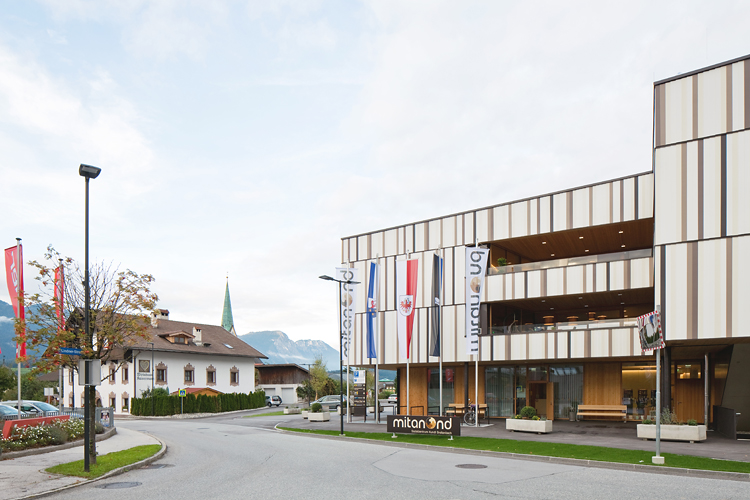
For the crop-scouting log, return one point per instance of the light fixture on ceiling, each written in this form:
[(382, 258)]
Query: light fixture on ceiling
[(544, 243), (586, 250), (622, 246), (552, 255), (622, 303), (622, 232), (580, 237), (544, 300)]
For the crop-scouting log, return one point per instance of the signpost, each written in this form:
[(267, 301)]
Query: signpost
[(433, 425), (70, 351), (183, 394)]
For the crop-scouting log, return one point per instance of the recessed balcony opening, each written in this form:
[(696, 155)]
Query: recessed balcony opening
[(581, 242), (527, 314)]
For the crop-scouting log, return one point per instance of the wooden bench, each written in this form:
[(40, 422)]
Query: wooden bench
[(597, 412)]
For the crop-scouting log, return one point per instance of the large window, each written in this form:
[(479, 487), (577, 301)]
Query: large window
[(499, 390), (568, 388), (639, 388), (433, 390)]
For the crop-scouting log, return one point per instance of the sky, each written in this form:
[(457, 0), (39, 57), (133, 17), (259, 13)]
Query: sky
[(245, 139)]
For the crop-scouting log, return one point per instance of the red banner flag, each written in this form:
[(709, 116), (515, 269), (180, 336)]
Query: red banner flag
[(14, 277), (60, 297)]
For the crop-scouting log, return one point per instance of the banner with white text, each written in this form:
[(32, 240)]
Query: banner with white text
[(348, 299), (476, 267)]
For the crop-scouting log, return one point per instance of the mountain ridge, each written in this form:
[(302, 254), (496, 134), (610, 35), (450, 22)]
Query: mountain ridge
[(281, 349)]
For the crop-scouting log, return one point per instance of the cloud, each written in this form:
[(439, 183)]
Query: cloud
[(56, 37)]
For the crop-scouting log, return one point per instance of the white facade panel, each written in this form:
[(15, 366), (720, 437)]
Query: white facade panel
[(376, 245), (498, 348), (494, 287), (501, 230), (518, 347), (628, 199), (533, 217), (449, 231), (519, 288), (483, 225), (389, 273), (391, 242), (616, 211), (601, 277), (420, 234), (617, 275), (581, 208), (712, 187), (562, 345), (520, 219), (555, 281), (409, 239), (344, 249), (544, 211), (740, 287), (390, 338), (448, 275), (402, 240), (679, 110), (645, 196), (534, 281), (738, 183), (692, 191), (621, 342), (537, 345), (459, 284), (738, 95), (712, 102), (575, 279), (677, 297), (362, 248), (468, 228), (577, 344), (560, 208), (551, 341), (435, 234), (461, 355), (712, 289), (668, 198), (640, 273), (599, 343), (602, 204), (589, 278)]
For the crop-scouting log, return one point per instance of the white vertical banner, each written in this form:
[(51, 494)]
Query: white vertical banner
[(476, 266), (348, 301)]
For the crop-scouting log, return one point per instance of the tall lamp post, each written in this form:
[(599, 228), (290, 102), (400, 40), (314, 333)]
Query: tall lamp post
[(341, 348), (88, 172)]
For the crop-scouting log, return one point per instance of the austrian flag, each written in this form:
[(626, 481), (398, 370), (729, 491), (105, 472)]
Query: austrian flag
[(406, 294)]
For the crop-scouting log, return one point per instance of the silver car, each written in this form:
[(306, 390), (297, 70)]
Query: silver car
[(332, 401), (33, 408)]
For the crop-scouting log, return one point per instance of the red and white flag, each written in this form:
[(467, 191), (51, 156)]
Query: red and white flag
[(14, 278), (406, 295), (60, 297)]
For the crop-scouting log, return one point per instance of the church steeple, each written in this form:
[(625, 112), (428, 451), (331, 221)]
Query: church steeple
[(226, 317)]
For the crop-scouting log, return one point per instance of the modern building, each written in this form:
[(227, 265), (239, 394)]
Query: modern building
[(185, 356), (572, 270)]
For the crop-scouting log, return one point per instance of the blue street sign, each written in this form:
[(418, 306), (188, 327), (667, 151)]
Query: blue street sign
[(70, 351), (183, 393)]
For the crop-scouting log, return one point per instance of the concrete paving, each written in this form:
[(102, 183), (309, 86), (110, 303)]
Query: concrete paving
[(25, 476), (590, 432)]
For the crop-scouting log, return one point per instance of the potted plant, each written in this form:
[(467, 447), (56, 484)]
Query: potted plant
[(528, 421), (317, 414), (672, 429), (294, 410)]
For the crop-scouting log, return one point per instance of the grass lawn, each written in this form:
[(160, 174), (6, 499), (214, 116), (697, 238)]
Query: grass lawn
[(582, 452), (106, 463), (270, 414)]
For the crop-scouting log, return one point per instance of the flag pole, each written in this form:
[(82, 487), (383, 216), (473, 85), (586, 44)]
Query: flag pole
[(476, 359), (408, 342), (61, 291), (348, 356), (375, 325), (19, 297), (440, 327)]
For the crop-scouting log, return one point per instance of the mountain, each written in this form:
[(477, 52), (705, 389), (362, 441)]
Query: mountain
[(281, 349), (6, 331)]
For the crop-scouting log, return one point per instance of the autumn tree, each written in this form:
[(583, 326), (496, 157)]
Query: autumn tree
[(120, 305)]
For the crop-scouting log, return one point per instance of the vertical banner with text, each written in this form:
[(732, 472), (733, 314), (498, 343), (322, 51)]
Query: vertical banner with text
[(348, 299), (476, 266), (14, 278)]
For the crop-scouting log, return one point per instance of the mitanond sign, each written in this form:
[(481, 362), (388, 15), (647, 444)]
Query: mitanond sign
[(439, 426)]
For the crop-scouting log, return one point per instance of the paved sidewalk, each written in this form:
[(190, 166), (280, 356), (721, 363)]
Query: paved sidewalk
[(25, 476)]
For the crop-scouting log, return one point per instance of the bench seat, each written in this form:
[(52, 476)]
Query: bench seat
[(602, 411)]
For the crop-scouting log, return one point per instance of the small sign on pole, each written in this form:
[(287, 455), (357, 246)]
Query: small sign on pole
[(183, 393), (652, 338)]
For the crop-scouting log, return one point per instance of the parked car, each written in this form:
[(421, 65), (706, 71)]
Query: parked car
[(34, 408), (328, 402), (273, 400), (393, 398), (9, 413)]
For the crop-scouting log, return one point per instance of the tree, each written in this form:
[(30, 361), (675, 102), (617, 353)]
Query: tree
[(305, 391), (7, 380), (318, 376), (120, 305)]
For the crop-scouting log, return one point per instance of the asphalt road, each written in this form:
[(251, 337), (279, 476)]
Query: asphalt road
[(228, 457)]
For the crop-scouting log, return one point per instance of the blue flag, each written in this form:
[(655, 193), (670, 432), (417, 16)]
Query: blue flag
[(372, 309)]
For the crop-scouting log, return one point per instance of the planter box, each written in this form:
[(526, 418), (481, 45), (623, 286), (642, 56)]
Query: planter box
[(371, 409), (291, 411), (670, 432), (323, 416), (304, 413), (519, 424)]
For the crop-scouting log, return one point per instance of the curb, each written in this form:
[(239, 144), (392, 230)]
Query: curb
[(116, 472), (669, 471), (9, 455)]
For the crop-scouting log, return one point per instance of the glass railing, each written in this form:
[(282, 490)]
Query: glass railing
[(573, 261), (563, 327)]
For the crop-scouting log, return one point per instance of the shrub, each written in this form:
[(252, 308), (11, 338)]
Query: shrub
[(518, 417), (692, 421), (648, 421), (57, 435), (535, 417), (316, 408), (98, 428), (669, 417), (528, 412)]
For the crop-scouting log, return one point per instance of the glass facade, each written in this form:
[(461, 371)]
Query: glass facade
[(568, 384), (639, 389), (433, 390)]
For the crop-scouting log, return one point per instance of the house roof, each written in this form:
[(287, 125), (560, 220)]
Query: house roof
[(193, 390), (261, 366), (216, 340)]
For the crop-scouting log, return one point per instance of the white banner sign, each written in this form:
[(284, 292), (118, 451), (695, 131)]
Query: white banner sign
[(476, 266), (348, 299)]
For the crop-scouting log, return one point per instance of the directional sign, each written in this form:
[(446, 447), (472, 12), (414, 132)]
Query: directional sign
[(183, 393), (70, 351)]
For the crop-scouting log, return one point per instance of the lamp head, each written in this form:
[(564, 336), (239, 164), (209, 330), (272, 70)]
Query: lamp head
[(327, 278), (89, 171)]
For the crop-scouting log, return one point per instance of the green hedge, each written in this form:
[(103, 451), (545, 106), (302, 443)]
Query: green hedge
[(170, 405)]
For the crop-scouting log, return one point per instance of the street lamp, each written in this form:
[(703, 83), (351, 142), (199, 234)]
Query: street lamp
[(89, 172), (341, 349)]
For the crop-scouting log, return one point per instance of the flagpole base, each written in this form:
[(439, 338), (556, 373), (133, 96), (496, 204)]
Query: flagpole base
[(657, 460), (394, 436)]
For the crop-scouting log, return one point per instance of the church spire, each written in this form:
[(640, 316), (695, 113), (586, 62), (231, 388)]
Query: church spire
[(226, 318)]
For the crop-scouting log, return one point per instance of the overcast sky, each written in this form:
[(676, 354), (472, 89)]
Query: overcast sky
[(248, 137)]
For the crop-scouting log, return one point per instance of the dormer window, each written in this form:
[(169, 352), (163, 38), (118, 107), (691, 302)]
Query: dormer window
[(179, 340)]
